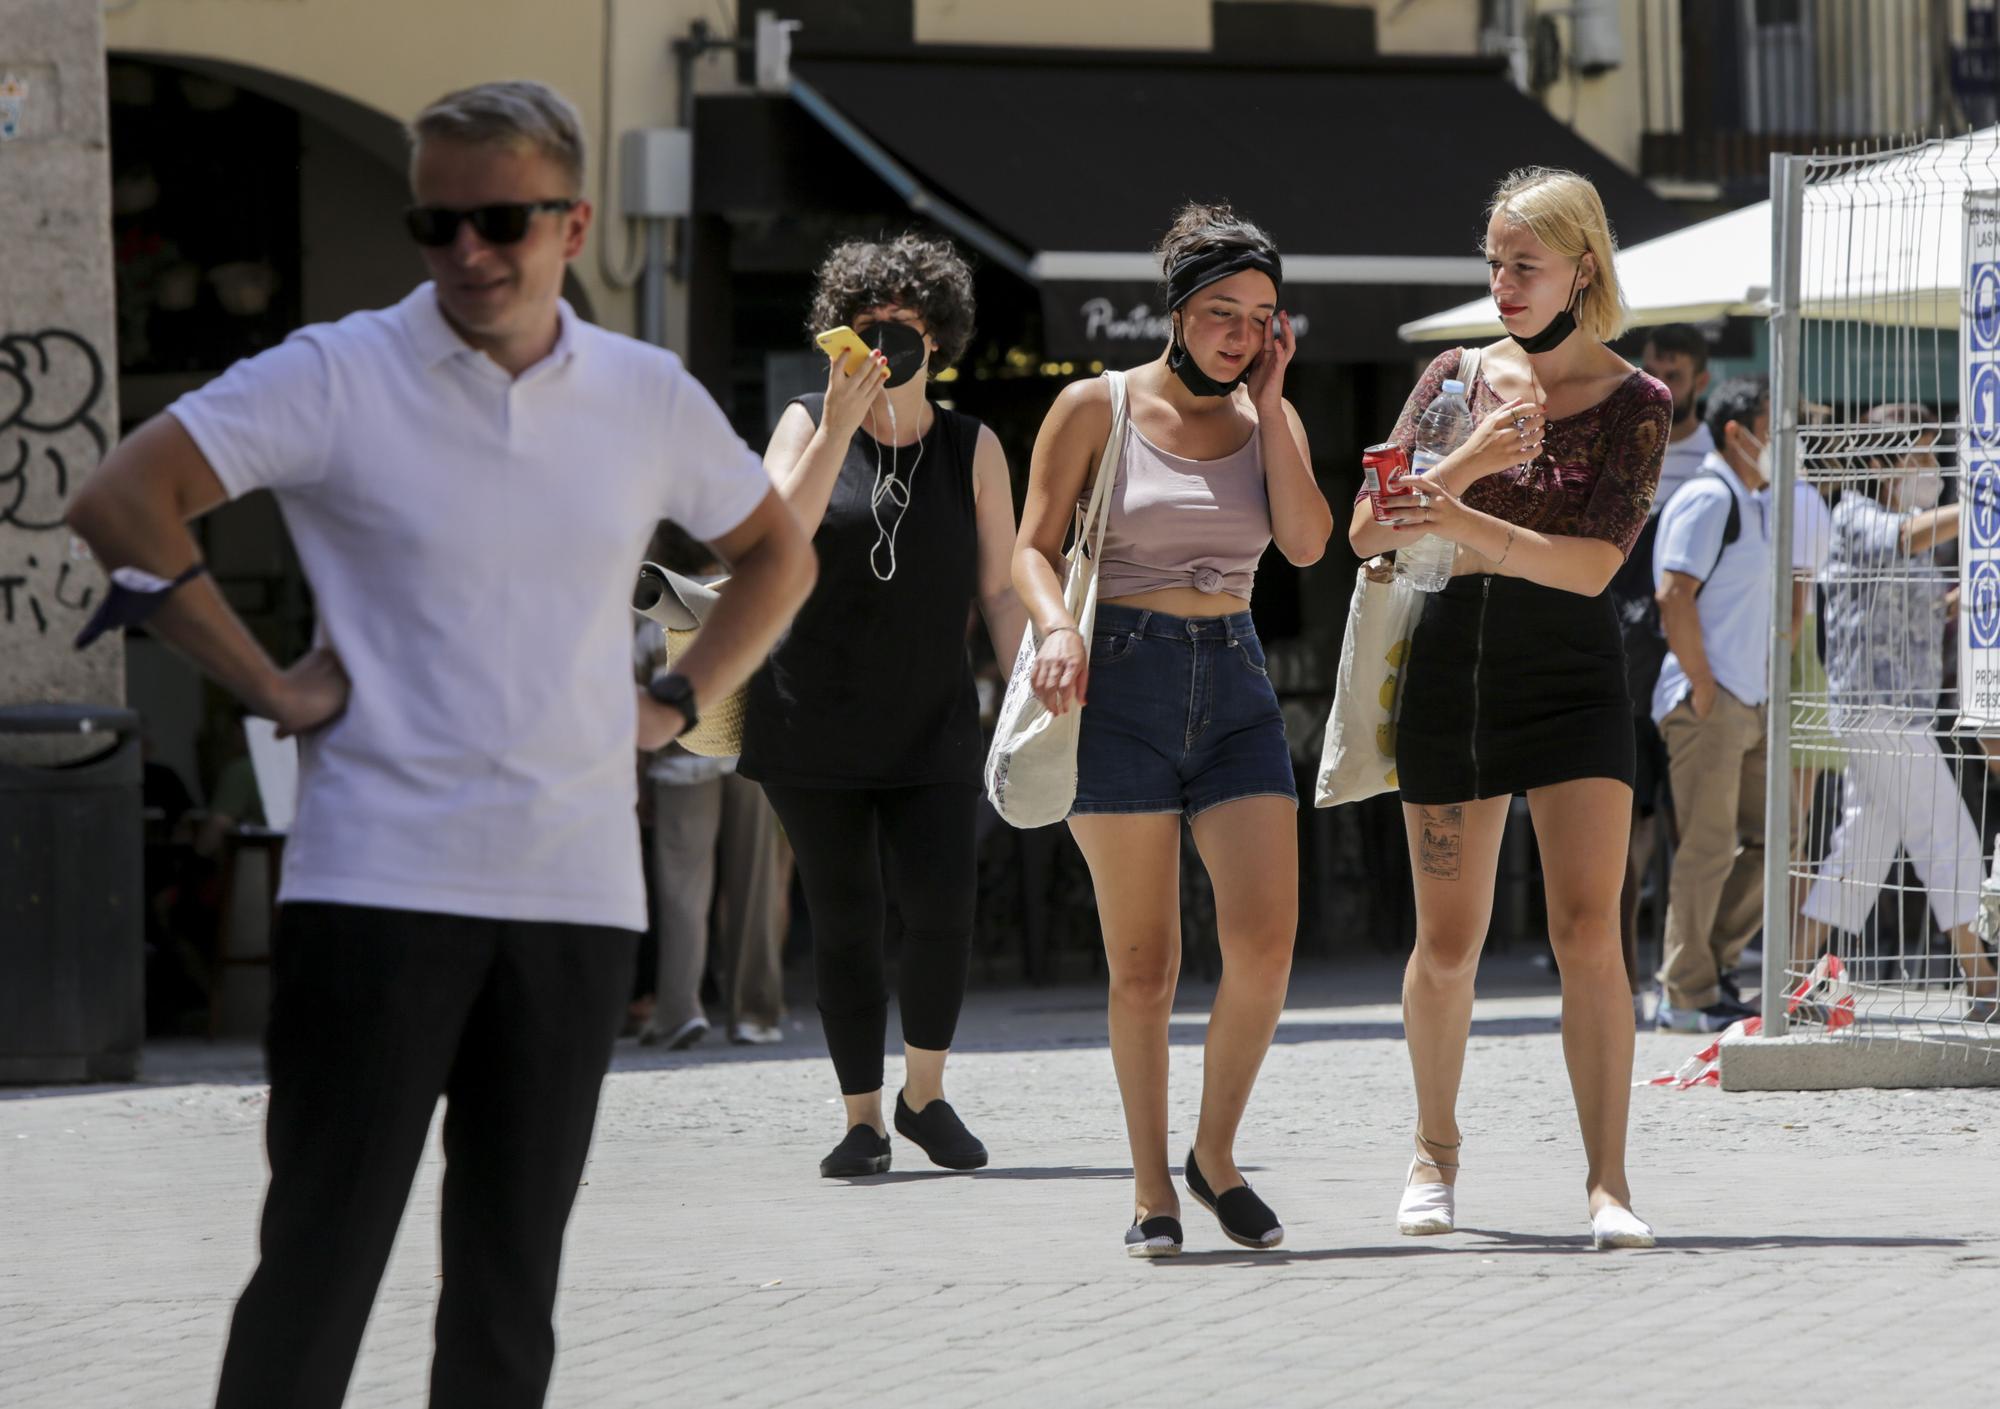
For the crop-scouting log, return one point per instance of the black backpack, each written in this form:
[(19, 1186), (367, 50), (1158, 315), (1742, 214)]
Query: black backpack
[(1632, 592)]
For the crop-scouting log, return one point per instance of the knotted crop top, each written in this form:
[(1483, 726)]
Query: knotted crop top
[(1177, 522)]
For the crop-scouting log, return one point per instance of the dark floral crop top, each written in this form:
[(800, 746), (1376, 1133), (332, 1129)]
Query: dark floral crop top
[(1597, 471)]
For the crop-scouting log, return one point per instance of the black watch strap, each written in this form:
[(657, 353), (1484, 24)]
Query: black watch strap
[(676, 692)]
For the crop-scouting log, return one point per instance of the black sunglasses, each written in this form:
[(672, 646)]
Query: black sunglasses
[(437, 225)]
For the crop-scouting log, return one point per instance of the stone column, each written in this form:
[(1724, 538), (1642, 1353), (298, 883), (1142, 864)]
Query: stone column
[(58, 365)]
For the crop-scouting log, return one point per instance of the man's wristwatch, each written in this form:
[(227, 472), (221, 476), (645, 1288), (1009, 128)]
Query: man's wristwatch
[(676, 692)]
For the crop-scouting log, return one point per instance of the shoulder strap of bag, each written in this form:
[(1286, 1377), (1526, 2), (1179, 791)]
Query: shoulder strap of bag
[(1732, 527), (1468, 369), (1098, 513)]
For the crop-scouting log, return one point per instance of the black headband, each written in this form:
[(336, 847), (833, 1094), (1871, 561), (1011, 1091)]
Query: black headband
[(1195, 273)]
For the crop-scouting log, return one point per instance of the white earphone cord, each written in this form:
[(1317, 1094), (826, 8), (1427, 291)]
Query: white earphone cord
[(890, 488)]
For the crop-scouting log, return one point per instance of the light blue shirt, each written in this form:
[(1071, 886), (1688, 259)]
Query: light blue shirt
[(1885, 620), (1734, 607), (1681, 463)]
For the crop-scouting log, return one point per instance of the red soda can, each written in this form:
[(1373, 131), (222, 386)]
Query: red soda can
[(1383, 468)]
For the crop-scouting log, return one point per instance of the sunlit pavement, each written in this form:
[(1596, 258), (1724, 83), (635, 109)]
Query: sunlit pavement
[(1826, 1247)]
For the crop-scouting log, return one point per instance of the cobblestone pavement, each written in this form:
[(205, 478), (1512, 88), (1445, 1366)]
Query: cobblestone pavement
[(1825, 1247)]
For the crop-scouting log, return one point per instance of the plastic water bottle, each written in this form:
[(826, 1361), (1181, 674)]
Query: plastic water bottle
[(1445, 425)]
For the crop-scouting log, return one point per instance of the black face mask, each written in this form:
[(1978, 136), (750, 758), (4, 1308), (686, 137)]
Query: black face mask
[(1182, 364), (902, 345), (1559, 328)]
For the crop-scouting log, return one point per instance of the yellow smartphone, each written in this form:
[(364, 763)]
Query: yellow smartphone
[(835, 342)]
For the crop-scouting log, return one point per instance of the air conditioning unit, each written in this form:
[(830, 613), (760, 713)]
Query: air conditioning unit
[(1596, 42), (656, 172)]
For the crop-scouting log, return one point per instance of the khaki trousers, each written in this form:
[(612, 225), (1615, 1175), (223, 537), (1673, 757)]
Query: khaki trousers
[(1715, 899)]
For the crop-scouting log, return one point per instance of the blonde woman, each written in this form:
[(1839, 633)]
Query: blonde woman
[(1516, 682)]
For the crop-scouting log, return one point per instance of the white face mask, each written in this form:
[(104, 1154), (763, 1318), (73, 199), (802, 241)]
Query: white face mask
[(1925, 488), (1763, 456)]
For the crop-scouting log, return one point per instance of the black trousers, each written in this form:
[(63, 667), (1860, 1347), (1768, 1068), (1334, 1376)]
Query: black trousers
[(842, 838), (374, 1015)]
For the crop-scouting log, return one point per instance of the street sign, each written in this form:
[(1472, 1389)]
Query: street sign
[(1979, 452), (1986, 306)]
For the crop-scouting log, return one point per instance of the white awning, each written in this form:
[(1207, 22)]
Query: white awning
[(1721, 266), (1881, 243)]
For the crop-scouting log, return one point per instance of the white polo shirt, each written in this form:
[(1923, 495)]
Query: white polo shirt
[(471, 540), (1734, 608)]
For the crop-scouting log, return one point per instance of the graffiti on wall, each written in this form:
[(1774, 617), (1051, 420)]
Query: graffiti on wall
[(51, 393)]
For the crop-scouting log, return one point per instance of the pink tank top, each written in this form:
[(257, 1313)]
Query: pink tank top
[(1184, 523)]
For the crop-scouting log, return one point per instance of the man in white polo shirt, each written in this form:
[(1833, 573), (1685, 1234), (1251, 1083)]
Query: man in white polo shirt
[(470, 478), (1712, 562)]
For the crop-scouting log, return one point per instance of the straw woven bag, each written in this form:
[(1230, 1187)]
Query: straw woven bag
[(679, 605)]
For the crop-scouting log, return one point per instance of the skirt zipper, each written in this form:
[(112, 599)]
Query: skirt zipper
[(1478, 656)]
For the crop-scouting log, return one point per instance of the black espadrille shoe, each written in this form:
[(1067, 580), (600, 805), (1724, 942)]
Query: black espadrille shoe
[(1157, 1237), (1246, 1219), (940, 1134), (862, 1152)]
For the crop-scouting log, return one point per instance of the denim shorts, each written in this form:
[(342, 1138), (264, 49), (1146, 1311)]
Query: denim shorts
[(1180, 716)]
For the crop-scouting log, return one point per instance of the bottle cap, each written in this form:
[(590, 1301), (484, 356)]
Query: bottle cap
[(1454, 388)]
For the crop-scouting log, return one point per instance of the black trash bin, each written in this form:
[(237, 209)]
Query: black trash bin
[(72, 918)]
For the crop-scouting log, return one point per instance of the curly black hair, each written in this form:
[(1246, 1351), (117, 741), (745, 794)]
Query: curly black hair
[(1740, 399), (928, 276)]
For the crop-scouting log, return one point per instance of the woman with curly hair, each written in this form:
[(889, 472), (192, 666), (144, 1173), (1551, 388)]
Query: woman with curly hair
[(1179, 718), (864, 726)]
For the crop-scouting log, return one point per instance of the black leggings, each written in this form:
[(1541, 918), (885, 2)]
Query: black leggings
[(844, 839)]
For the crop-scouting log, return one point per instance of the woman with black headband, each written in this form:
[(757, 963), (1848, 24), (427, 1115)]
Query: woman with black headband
[(1516, 678), (864, 726), (1179, 718)]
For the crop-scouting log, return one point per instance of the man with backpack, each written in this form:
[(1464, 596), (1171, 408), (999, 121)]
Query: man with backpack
[(1712, 567)]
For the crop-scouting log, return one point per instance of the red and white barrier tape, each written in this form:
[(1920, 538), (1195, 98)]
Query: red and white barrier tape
[(1821, 997)]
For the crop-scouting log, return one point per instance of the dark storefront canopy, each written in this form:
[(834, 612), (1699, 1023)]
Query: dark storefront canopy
[(1066, 167)]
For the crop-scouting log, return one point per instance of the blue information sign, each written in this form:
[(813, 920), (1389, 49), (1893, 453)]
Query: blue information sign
[(1985, 607), (1986, 306), (1982, 417), (1985, 504)]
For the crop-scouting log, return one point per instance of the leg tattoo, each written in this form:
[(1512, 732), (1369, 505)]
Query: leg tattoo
[(1444, 839)]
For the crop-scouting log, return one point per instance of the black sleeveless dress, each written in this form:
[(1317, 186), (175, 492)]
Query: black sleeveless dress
[(872, 686)]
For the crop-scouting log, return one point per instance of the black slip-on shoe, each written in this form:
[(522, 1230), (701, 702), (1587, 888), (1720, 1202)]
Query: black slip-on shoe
[(861, 1152), (940, 1134), (1159, 1236), (1246, 1219)]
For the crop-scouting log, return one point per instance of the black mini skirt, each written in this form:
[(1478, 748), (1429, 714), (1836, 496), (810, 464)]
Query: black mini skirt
[(1510, 686)]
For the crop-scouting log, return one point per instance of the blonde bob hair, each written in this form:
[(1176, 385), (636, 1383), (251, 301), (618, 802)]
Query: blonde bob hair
[(1563, 211)]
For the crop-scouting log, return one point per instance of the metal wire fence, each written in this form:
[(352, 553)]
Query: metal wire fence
[(1882, 908)]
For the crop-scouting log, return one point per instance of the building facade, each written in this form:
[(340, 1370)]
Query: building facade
[(258, 173)]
